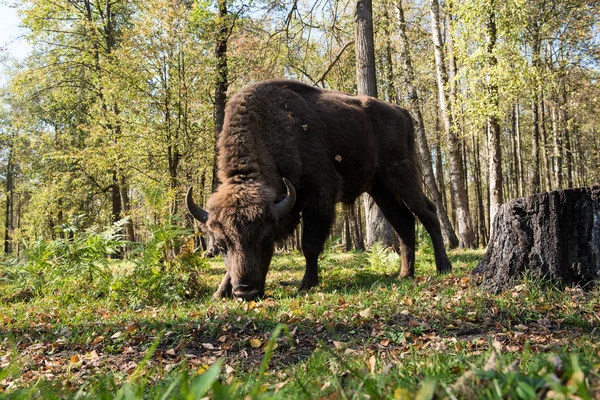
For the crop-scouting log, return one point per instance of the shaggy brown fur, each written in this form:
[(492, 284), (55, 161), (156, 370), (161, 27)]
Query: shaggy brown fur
[(332, 147)]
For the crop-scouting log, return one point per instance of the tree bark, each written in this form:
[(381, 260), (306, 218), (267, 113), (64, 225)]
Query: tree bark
[(457, 183), (9, 213), (552, 235), (535, 135), (448, 233), (126, 204), (495, 151), (222, 82), (378, 228)]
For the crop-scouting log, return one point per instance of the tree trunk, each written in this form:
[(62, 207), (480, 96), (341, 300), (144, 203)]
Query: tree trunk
[(457, 183), (9, 216), (552, 235), (521, 175), (544, 149), (535, 135), (495, 152), (425, 156), (126, 204), (378, 228), (222, 82)]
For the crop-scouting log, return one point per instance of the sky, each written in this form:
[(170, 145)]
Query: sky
[(12, 41)]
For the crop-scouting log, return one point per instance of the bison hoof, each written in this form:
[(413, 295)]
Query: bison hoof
[(306, 285), (223, 294), (444, 269)]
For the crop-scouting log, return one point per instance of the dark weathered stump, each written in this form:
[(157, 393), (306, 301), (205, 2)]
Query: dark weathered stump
[(553, 235)]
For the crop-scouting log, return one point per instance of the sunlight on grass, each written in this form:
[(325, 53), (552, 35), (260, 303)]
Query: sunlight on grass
[(361, 333)]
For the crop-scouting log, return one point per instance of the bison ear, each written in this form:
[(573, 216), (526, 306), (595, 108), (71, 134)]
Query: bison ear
[(285, 205), (196, 211)]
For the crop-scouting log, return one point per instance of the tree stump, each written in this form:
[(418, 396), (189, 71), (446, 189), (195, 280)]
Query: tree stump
[(553, 235)]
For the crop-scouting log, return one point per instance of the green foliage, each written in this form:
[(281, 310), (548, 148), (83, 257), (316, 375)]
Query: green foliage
[(166, 269), (78, 256), (78, 265), (382, 258)]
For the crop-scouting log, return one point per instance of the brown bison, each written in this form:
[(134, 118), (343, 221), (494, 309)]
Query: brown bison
[(289, 149)]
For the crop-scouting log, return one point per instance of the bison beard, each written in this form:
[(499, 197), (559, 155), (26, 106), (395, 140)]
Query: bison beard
[(288, 149)]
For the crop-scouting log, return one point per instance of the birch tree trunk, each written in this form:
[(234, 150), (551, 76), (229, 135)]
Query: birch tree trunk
[(378, 228), (457, 184), (425, 156), (9, 212), (495, 152)]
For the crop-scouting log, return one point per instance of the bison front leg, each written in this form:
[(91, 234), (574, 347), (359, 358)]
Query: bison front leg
[(315, 228), (225, 289)]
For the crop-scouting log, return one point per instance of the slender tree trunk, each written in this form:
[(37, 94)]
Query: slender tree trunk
[(378, 228), (129, 229), (495, 151), (10, 197), (557, 162), (521, 176), (544, 150), (392, 93), (482, 228), (425, 156), (535, 135), (116, 199), (439, 163), (222, 82), (568, 154), (514, 162), (457, 183)]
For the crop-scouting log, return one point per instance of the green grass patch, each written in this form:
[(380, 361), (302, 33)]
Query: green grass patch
[(361, 334)]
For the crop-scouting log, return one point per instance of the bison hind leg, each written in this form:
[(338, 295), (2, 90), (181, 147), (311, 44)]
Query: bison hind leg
[(403, 221)]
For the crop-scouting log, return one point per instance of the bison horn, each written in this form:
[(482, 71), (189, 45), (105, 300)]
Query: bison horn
[(196, 211), (285, 205)]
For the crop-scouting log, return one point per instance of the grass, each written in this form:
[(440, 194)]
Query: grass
[(361, 334)]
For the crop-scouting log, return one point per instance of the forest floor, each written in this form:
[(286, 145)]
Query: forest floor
[(361, 334)]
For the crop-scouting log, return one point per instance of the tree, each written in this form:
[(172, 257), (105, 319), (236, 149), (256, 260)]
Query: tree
[(493, 124), (378, 228), (413, 99), (457, 174)]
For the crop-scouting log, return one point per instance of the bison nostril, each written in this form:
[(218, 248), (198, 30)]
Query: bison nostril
[(246, 292)]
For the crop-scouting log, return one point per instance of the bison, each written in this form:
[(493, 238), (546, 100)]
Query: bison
[(287, 150)]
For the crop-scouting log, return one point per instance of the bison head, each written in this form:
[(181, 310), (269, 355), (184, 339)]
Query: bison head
[(242, 221)]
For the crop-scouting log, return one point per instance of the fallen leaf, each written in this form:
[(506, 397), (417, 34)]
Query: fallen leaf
[(372, 363), (228, 369), (340, 345), (97, 340), (202, 369), (275, 345), (384, 342), (521, 327), (131, 327), (222, 338), (490, 365), (366, 313), (170, 352), (255, 343), (208, 346), (117, 335), (413, 323), (75, 358)]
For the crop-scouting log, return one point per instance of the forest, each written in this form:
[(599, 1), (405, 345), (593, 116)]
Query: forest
[(115, 113)]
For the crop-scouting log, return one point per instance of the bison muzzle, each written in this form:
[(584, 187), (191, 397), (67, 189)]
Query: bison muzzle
[(287, 150)]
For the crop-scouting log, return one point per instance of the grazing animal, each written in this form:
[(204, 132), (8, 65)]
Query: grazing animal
[(289, 149)]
